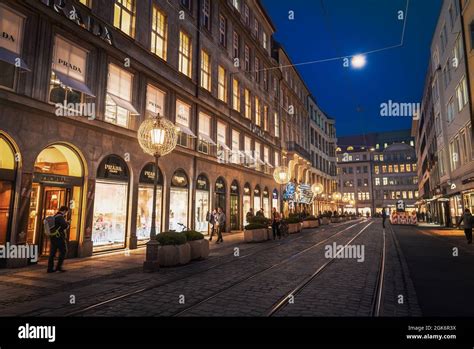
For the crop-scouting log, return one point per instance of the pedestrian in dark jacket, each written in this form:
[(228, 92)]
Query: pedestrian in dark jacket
[(220, 224), (384, 217), (59, 241), (249, 215), (276, 218), (468, 221), (211, 219)]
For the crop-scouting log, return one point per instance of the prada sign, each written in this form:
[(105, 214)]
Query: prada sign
[(84, 20)]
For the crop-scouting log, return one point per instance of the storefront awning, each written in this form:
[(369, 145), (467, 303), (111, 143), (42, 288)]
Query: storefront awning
[(74, 84), (186, 130), (268, 164), (260, 161), (223, 145), (124, 104), (12, 58), (207, 139)]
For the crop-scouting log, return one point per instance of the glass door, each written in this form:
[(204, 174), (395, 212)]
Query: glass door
[(53, 199), (6, 191), (234, 212)]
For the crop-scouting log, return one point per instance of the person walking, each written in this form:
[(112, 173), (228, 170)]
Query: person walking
[(384, 217), (220, 222), (276, 218), (468, 220), (58, 240), (211, 219)]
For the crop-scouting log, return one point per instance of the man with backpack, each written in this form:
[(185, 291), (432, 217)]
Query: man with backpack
[(56, 227)]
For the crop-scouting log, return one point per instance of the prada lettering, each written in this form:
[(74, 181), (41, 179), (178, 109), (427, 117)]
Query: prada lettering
[(113, 168), (8, 37), (85, 21), (69, 65), (150, 174)]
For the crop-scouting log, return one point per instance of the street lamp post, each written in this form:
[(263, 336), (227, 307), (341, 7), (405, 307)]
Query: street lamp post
[(157, 136)]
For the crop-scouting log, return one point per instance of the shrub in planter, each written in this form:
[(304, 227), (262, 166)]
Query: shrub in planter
[(199, 245), (173, 250), (310, 222), (256, 232)]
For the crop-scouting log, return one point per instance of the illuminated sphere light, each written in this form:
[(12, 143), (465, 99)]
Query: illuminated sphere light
[(317, 188), (345, 199), (281, 174), (358, 61), (337, 195), (157, 136)]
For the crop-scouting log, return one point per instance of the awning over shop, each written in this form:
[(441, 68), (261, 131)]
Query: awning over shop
[(12, 58), (207, 138), (124, 104), (223, 145), (75, 84), (186, 130)]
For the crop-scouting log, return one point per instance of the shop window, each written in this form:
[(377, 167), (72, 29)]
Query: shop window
[(202, 204), (183, 120), (222, 148), (11, 39), (119, 106), (68, 76), (205, 140), (247, 203), (145, 202), (179, 197), (110, 204), (159, 33), (155, 100)]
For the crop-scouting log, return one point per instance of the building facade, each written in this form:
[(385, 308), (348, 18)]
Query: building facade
[(322, 139), (81, 76), (376, 171), (451, 102)]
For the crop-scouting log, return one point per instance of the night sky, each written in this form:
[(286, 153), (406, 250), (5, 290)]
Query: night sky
[(353, 97)]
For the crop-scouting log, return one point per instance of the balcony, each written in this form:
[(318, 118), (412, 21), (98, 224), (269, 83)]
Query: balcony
[(295, 147)]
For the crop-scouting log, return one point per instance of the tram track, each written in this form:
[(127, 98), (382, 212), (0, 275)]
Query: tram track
[(259, 273), (125, 295)]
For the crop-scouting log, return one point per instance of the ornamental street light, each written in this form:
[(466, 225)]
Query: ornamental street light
[(281, 175), (157, 136)]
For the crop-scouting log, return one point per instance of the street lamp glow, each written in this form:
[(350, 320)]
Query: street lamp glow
[(358, 61)]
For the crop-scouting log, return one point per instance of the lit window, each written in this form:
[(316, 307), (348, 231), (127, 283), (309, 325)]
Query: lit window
[(119, 97), (248, 105), (276, 121), (184, 54), (222, 85), (124, 16), (205, 71), (88, 3), (258, 112), (236, 95), (159, 32)]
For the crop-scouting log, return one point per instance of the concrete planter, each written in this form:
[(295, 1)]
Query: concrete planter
[(199, 249), (256, 235), (310, 224), (325, 221), (335, 219), (173, 255), (294, 228)]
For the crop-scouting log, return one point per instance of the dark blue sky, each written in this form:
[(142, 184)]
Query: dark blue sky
[(353, 97)]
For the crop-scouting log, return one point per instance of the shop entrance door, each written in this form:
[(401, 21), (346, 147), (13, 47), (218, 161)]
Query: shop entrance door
[(53, 199), (234, 212)]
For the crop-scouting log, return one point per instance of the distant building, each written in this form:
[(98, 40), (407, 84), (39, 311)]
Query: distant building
[(377, 170)]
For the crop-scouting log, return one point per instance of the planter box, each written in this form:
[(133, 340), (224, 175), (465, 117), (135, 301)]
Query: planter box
[(310, 224), (170, 256), (335, 219), (325, 221), (256, 235), (199, 249), (294, 228)]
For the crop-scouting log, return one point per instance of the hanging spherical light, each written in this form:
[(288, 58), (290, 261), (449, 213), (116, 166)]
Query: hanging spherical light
[(317, 188), (337, 195), (157, 136), (281, 174)]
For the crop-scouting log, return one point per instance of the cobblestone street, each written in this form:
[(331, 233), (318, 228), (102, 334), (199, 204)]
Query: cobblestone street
[(247, 283)]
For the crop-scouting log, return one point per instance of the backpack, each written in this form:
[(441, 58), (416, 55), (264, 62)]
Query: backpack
[(50, 227)]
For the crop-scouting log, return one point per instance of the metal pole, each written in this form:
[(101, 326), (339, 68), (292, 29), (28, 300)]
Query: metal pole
[(153, 214)]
